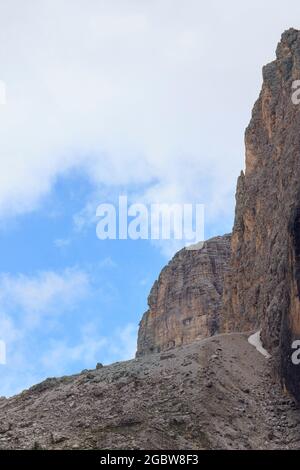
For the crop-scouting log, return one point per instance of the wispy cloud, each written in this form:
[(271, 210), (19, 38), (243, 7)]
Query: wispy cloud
[(25, 303), (91, 348), (46, 292), (41, 341), (62, 242), (128, 102), (107, 262)]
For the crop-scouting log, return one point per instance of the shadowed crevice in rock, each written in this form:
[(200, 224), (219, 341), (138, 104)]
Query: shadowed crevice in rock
[(295, 238)]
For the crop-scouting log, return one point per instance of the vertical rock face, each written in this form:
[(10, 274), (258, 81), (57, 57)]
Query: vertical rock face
[(185, 301), (263, 288), (262, 284)]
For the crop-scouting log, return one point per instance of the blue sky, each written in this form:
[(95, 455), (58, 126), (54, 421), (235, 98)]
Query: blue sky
[(67, 299), (71, 299), (148, 99)]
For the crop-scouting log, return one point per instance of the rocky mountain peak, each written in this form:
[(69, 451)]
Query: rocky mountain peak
[(185, 302)]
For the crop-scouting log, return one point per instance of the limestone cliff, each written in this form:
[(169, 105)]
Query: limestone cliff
[(185, 301), (262, 283), (263, 288)]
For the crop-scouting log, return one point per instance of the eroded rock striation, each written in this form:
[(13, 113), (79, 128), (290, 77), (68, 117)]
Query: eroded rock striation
[(185, 301), (263, 287)]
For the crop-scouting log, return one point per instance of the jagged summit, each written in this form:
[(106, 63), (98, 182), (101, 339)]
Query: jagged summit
[(185, 301), (261, 290), (289, 40)]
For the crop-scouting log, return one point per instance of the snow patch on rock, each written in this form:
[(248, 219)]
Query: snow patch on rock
[(255, 341)]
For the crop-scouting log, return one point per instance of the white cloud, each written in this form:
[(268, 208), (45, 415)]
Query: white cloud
[(91, 348), (31, 306), (8, 330), (107, 262), (41, 339), (47, 292), (122, 344), (85, 217), (62, 242), (131, 92)]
